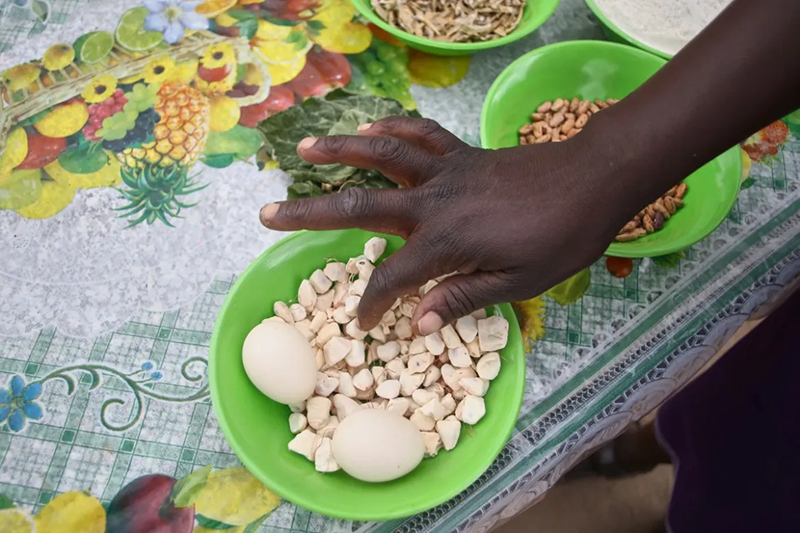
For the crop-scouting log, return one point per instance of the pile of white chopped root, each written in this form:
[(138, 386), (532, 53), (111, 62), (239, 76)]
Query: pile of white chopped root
[(437, 381)]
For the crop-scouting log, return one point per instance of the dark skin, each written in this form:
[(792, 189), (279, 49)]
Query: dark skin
[(515, 222)]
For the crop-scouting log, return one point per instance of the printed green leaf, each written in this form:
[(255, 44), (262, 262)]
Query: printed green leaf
[(212, 524), (669, 260), (746, 184), (83, 159), (571, 290), (338, 113), (6, 502), (187, 489)]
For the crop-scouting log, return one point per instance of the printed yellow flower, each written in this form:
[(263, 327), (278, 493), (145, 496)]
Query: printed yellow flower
[(219, 55), (100, 88), (159, 70)]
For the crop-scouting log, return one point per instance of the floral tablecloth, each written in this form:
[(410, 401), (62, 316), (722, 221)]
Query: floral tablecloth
[(108, 301)]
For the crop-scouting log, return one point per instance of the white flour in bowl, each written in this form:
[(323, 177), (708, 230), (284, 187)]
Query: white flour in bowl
[(666, 25)]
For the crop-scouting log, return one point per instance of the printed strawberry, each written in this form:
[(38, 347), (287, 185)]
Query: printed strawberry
[(765, 144)]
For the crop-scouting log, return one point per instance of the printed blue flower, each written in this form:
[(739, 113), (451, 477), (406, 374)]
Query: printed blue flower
[(147, 365), (156, 375), (173, 18), (16, 403)]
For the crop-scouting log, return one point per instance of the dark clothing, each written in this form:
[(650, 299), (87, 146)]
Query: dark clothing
[(734, 435)]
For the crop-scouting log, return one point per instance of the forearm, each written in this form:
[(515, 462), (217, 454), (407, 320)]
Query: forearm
[(737, 76)]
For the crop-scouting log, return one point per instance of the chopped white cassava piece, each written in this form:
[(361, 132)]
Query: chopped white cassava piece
[(298, 312), (357, 354), (389, 389), (422, 396), (467, 328), (459, 356), (320, 282), (328, 331), (475, 386), (304, 327), (394, 368), (306, 295), (409, 382), (436, 381), (363, 380), (488, 366), (305, 443), (323, 458), (358, 287), (471, 409), (336, 349), (493, 333), (422, 421), (432, 375), (324, 302), (434, 409), (336, 272), (282, 311), (374, 248), (449, 430), (346, 385), (403, 328), (450, 337), (345, 406), (420, 362), (433, 443), (417, 346), (325, 385), (318, 320), (388, 351), (319, 411), (340, 316), (434, 343), (297, 422), (398, 405)]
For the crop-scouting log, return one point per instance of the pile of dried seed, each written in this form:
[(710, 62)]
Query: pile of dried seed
[(562, 119), (458, 21)]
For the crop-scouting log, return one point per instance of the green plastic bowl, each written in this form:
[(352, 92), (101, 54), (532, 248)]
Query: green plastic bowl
[(257, 428), (536, 13), (614, 32), (591, 70)]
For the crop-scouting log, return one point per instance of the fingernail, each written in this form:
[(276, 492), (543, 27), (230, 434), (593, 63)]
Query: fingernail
[(430, 323), (306, 143), (365, 127), (268, 212)]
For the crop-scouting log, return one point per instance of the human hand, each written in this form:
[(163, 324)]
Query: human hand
[(512, 222)]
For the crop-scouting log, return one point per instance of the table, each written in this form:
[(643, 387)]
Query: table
[(105, 330)]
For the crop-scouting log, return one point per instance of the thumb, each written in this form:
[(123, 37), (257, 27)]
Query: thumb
[(459, 296)]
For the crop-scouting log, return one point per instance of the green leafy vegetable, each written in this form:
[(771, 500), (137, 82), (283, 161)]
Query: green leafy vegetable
[(338, 113), (571, 290)]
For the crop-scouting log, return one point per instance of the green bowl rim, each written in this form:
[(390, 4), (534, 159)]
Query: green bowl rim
[(616, 249), (518, 33), (614, 28), (310, 504)]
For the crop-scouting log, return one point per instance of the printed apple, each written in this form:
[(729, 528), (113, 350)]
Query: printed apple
[(42, 150), (214, 74), (280, 98), (145, 505), (324, 71)]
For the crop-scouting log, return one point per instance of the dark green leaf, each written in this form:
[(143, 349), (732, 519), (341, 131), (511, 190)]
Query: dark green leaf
[(218, 160), (303, 189), (212, 524), (315, 27), (339, 112), (187, 489), (571, 290), (83, 159), (278, 22), (746, 184)]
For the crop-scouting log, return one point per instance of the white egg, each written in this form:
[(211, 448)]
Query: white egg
[(376, 445), (280, 362)]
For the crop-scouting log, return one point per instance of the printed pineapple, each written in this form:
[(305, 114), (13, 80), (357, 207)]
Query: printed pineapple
[(157, 173)]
